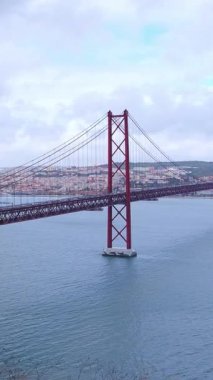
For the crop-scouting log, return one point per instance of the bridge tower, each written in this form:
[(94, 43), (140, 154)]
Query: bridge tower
[(119, 216)]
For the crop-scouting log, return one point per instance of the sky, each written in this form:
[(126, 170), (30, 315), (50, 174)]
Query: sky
[(65, 63)]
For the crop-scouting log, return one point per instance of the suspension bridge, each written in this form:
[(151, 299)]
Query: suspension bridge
[(105, 165)]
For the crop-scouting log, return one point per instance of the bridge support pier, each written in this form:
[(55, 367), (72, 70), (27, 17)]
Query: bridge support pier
[(119, 216)]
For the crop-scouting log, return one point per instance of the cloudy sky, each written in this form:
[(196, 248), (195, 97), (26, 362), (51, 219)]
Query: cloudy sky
[(64, 63)]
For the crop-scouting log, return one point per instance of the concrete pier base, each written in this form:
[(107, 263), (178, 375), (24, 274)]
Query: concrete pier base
[(119, 252)]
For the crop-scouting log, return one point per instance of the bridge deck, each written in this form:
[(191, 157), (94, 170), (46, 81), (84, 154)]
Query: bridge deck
[(26, 212)]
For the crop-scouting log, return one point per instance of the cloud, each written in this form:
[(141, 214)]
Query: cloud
[(11, 6), (64, 63)]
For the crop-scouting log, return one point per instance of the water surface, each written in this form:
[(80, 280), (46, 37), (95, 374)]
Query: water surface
[(64, 307)]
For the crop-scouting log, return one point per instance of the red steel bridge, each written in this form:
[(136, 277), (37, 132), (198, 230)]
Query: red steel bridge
[(85, 173)]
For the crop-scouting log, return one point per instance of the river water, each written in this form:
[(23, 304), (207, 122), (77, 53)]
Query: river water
[(66, 312)]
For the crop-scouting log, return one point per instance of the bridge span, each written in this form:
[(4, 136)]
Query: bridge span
[(26, 212), (116, 189)]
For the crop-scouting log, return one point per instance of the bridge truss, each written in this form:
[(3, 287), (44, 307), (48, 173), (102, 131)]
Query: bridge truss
[(28, 212)]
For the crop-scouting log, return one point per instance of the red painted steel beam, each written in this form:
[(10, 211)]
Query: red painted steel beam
[(118, 128), (128, 195), (110, 175)]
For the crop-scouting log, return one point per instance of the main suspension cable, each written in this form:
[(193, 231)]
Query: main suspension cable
[(58, 158), (156, 146), (50, 153)]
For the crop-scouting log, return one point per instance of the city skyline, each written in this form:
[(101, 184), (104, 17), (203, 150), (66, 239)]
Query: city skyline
[(77, 180)]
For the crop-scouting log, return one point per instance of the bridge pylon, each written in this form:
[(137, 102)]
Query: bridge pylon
[(119, 216)]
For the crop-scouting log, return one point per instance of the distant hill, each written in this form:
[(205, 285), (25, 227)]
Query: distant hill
[(197, 168)]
